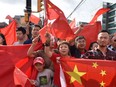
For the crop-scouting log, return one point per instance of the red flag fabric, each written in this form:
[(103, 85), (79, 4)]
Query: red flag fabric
[(52, 11), (61, 29), (10, 33), (19, 77), (9, 17), (89, 73), (90, 32), (11, 56), (98, 13), (43, 32), (34, 19)]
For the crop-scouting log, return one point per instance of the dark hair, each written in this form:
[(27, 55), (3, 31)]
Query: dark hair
[(79, 37), (104, 31), (91, 44), (64, 42), (4, 42), (22, 29), (37, 26)]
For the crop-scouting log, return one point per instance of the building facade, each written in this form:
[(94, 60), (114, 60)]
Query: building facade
[(109, 19)]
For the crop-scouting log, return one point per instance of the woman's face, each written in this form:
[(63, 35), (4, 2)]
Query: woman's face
[(64, 49), (1, 40)]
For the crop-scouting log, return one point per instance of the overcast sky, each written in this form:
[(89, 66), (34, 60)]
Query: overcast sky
[(84, 13)]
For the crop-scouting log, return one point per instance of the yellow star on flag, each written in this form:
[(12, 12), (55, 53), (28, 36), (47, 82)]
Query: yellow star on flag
[(103, 72), (102, 84), (76, 75), (95, 65)]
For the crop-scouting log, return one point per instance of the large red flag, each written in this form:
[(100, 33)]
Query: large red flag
[(34, 19), (89, 73), (60, 26), (98, 13), (11, 56), (90, 32), (10, 32)]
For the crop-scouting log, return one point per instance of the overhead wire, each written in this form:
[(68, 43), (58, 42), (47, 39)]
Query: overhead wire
[(81, 2)]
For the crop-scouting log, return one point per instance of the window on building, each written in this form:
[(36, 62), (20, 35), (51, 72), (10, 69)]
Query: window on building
[(112, 13), (111, 25), (113, 6), (111, 19)]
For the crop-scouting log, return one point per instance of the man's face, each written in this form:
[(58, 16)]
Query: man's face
[(103, 39), (35, 32), (20, 35), (81, 44)]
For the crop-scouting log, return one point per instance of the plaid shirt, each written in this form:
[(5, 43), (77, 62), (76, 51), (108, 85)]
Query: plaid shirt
[(97, 54)]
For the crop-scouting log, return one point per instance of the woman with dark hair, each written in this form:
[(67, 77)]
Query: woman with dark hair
[(2, 39)]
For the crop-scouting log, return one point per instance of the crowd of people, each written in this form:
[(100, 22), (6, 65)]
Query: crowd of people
[(48, 58)]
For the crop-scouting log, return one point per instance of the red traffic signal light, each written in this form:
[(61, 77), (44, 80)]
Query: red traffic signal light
[(39, 5)]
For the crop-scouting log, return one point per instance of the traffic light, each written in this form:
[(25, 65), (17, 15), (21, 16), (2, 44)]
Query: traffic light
[(39, 5), (26, 17)]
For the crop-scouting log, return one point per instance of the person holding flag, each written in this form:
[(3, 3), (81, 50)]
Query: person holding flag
[(64, 52)]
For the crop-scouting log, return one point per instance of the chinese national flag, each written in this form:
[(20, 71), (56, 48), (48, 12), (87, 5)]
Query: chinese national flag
[(10, 33), (98, 13), (52, 11), (89, 73), (60, 26)]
